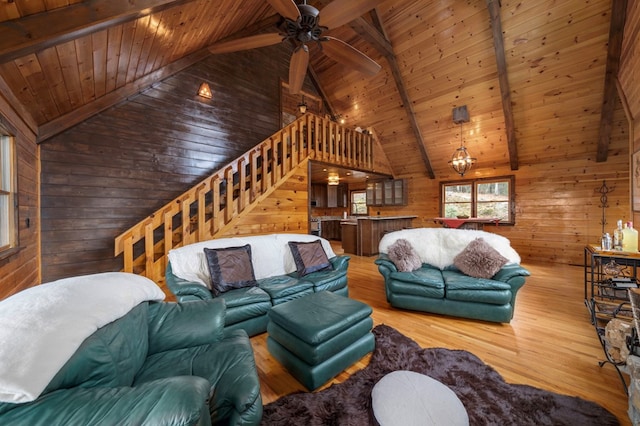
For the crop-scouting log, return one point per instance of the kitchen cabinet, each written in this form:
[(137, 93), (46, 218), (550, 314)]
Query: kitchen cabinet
[(318, 195), (389, 192), (337, 195), (331, 230)]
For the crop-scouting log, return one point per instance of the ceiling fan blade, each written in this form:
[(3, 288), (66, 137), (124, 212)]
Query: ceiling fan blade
[(286, 8), (339, 12), (298, 69), (246, 43), (341, 52)]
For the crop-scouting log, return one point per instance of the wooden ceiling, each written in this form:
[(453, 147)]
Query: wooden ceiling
[(63, 60)]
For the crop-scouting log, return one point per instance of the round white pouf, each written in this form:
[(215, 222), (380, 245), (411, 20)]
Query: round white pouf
[(406, 398)]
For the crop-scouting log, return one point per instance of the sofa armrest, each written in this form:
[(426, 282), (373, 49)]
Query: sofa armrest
[(509, 272), (180, 400), (184, 290), (385, 265), (340, 262), (183, 325)]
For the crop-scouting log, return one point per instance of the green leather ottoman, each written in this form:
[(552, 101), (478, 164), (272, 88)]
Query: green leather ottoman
[(319, 335)]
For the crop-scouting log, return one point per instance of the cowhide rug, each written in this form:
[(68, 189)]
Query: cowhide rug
[(489, 400)]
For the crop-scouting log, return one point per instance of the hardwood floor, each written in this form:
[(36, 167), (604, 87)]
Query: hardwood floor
[(549, 344)]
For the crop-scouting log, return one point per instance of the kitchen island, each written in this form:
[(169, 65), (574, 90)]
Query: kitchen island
[(362, 235)]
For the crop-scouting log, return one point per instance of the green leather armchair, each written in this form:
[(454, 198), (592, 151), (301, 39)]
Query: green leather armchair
[(160, 364)]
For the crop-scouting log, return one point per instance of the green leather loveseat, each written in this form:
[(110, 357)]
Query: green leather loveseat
[(188, 277), (159, 364), (438, 286)]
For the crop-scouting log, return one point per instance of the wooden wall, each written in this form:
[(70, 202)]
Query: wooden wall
[(109, 172), (285, 210), (557, 203), (22, 269), (630, 84)]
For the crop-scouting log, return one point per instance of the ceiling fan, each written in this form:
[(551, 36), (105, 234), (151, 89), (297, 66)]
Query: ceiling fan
[(304, 24)]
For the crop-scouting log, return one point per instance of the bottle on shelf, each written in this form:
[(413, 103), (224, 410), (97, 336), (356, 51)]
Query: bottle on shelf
[(630, 238), (618, 236)]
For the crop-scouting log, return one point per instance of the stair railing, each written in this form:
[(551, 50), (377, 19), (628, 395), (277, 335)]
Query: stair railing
[(209, 207)]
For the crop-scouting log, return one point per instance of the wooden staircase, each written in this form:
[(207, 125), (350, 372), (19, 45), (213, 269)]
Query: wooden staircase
[(209, 208)]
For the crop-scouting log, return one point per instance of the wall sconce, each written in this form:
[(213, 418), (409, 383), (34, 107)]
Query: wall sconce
[(461, 160), (302, 106), (205, 91), (333, 180)]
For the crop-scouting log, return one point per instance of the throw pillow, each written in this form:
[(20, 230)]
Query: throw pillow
[(230, 268), (479, 259), (309, 257), (404, 256)]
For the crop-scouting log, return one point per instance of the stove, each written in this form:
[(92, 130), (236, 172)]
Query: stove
[(314, 226)]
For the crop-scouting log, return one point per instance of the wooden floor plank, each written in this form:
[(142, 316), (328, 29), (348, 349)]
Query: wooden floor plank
[(549, 344)]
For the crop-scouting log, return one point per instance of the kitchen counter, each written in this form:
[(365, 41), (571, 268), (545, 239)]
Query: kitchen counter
[(361, 235)]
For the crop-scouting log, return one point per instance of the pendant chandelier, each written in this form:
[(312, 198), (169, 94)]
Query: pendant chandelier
[(461, 161)]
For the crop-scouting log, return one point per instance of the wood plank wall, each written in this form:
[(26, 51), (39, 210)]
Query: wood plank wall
[(630, 83), (22, 270), (285, 210), (557, 203), (104, 175)]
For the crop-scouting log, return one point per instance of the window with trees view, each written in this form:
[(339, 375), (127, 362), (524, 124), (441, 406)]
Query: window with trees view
[(481, 198), (8, 204), (359, 202)]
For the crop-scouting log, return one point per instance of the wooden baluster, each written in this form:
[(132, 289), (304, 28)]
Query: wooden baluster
[(200, 194), (360, 150), (304, 141), (253, 162), (185, 204), (149, 250), (168, 230), (295, 145), (266, 176), (215, 204), (311, 136), (341, 147), (242, 184), (128, 253), (286, 152), (228, 213), (326, 140)]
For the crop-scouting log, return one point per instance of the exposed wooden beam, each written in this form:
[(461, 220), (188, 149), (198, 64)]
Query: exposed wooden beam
[(616, 31), (17, 107), (78, 115), (380, 43), (498, 44), (20, 37), (316, 83)]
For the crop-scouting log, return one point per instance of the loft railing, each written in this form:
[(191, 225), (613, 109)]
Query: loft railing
[(207, 209)]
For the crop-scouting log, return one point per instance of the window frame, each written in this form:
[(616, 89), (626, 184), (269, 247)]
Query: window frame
[(11, 224), (474, 195), (351, 203)]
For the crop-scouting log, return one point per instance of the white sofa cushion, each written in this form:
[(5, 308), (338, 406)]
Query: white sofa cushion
[(439, 246), (270, 255)]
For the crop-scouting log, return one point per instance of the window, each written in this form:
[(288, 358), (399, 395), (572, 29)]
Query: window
[(482, 198), (8, 198), (359, 202)]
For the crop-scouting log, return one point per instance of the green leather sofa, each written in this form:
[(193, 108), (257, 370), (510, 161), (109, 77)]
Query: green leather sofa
[(160, 364), (188, 278), (444, 289)]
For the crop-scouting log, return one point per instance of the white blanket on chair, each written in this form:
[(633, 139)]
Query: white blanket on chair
[(41, 327)]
